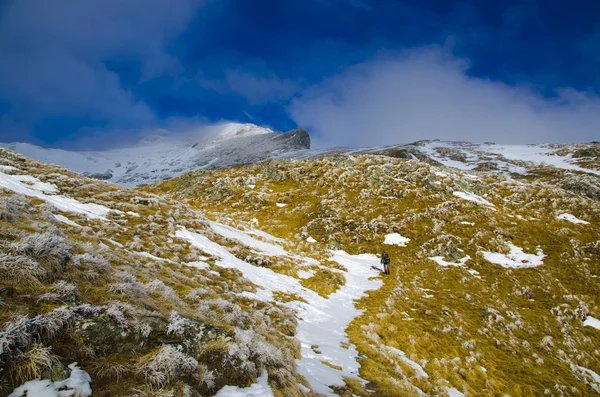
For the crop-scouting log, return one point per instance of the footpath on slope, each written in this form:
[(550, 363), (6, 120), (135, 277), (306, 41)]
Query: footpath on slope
[(321, 321)]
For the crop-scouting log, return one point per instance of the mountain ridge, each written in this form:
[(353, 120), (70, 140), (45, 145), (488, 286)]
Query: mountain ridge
[(160, 156)]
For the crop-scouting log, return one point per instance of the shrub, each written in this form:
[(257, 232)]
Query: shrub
[(91, 261), (176, 324), (165, 364), (14, 207), (31, 363), (61, 291), (167, 292), (50, 249), (20, 269)]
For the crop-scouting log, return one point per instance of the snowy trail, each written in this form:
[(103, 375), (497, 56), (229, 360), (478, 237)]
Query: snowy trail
[(321, 321)]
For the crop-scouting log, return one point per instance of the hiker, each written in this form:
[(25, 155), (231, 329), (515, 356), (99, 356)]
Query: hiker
[(385, 261)]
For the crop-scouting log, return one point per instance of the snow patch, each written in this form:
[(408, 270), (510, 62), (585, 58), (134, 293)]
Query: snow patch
[(259, 389), (65, 220), (198, 265), (516, 258), (264, 248), (572, 219), (440, 261), (280, 205), (396, 239), (419, 371), (591, 377), (311, 240), (30, 186), (320, 321), (77, 384), (472, 197), (303, 274), (453, 392), (592, 322)]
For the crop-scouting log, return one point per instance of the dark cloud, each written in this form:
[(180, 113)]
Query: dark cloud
[(55, 55), (73, 71)]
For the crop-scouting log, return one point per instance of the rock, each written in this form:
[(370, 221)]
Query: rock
[(295, 139), (106, 175)]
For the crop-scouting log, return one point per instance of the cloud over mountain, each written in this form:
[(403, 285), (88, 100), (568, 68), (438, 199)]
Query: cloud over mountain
[(428, 93)]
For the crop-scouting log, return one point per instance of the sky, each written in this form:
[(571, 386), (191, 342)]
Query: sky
[(93, 75)]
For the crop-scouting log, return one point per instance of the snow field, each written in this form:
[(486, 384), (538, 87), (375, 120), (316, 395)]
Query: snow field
[(321, 321)]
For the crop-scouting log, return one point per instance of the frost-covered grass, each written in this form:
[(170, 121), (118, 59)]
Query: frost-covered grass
[(479, 327), (116, 295), (113, 293)]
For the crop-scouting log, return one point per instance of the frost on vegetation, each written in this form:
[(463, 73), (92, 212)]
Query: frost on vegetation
[(168, 362), (23, 332), (13, 207), (176, 324), (126, 317), (167, 292), (61, 291), (49, 248), (129, 286), (94, 262), (76, 385), (251, 351), (20, 269)]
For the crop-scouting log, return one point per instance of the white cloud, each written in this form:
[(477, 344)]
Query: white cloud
[(426, 94)]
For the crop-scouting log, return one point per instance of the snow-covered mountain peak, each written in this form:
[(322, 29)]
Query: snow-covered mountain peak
[(236, 130), (163, 155)]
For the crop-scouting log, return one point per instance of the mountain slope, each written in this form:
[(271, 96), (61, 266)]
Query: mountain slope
[(494, 287), (263, 277), (160, 156)]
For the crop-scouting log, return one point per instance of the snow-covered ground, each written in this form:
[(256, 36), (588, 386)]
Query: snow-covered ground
[(163, 155), (396, 239), (259, 389), (321, 321), (442, 262), (77, 384), (572, 219), (501, 155), (592, 322), (472, 197), (33, 187), (516, 258)]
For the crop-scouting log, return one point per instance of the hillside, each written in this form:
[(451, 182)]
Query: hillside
[(263, 280), (494, 287), (162, 155)]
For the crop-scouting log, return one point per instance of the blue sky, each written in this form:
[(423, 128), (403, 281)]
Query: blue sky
[(91, 75)]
